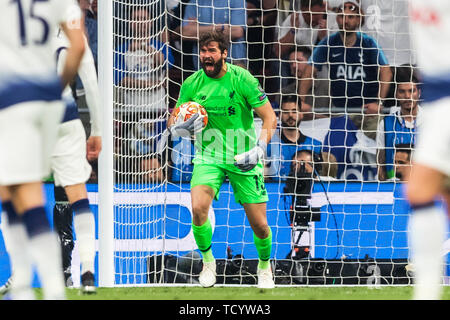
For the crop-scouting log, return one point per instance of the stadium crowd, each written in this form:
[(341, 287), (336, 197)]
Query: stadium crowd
[(340, 75)]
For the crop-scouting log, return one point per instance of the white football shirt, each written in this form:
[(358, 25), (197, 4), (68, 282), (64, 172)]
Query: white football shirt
[(27, 63), (88, 76), (430, 27)]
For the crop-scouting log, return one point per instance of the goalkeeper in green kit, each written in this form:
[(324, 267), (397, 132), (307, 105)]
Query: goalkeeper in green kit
[(227, 147)]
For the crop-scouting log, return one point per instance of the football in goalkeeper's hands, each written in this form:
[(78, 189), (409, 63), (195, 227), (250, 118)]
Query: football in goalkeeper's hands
[(188, 109)]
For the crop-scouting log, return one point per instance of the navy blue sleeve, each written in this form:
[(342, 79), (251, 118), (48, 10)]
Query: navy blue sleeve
[(377, 55), (320, 54)]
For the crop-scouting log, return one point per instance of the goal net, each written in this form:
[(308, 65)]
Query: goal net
[(342, 225)]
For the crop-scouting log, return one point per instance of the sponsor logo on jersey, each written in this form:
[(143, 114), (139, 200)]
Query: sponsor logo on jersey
[(350, 72)]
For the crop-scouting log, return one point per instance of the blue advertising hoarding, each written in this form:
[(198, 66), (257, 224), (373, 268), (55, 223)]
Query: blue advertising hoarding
[(356, 219)]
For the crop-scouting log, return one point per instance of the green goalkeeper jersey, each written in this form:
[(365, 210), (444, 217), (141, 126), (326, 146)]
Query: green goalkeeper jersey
[(229, 102)]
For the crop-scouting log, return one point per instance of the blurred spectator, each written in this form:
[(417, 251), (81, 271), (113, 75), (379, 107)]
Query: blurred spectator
[(183, 49), (90, 23), (359, 71), (140, 65), (145, 169), (400, 126), (137, 149), (152, 170), (255, 35), (355, 153), (402, 162), (288, 140), (84, 4), (145, 137), (284, 9), (143, 140), (329, 167), (227, 16), (183, 65), (305, 28), (387, 21), (260, 36), (298, 61), (261, 20)]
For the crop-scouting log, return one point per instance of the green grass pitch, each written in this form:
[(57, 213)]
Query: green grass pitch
[(251, 293)]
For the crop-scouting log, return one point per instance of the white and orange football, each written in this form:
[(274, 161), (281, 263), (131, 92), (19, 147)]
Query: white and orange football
[(187, 110)]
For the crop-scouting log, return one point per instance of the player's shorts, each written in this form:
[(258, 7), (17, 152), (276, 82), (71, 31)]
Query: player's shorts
[(68, 162), (27, 137), (433, 136), (248, 188)]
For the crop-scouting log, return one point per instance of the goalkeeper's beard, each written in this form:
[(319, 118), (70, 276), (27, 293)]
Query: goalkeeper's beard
[(216, 70)]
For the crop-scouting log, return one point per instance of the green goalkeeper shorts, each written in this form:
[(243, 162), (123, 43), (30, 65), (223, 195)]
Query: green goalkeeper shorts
[(247, 188)]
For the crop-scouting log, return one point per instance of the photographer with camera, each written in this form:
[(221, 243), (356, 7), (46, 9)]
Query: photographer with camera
[(305, 169)]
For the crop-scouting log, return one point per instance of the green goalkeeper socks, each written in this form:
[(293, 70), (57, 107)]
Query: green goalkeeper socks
[(264, 248), (203, 237)]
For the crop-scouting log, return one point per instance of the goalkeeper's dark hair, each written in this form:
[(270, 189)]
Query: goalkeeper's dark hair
[(211, 36)]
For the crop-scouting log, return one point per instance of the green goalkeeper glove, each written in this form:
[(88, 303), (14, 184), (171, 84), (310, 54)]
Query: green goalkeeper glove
[(192, 126), (248, 160)]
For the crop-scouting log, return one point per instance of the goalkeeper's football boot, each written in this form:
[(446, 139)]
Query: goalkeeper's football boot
[(88, 283), (207, 277), (265, 278)]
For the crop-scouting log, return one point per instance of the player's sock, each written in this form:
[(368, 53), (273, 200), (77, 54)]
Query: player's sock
[(16, 240), (203, 238), (427, 228), (63, 226), (46, 252), (84, 224), (264, 249)]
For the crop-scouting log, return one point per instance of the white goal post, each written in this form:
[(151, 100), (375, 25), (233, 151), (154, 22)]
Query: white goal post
[(106, 169)]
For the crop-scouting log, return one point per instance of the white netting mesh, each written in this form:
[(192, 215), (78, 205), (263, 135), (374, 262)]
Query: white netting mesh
[(358, 234)]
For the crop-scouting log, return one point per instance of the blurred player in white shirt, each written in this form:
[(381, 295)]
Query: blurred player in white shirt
[(30, 111), (69, 161), (430, 22)]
